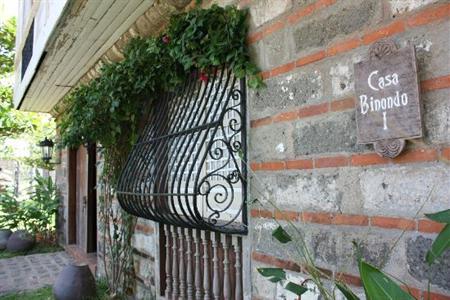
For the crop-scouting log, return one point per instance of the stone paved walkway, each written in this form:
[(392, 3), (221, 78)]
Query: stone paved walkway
[(29, 272)]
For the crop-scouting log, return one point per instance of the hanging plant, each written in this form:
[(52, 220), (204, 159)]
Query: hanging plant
[(107, 110)]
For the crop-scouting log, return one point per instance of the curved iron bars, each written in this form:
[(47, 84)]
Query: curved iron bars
[(187, 168)]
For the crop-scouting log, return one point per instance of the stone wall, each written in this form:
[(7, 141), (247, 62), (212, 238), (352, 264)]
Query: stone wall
[(144, 251), (62, 180), (304, 154), (303, 147)]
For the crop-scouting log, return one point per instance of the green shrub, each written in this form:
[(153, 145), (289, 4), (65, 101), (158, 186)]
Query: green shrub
[(36, 214), (10, 210), (40, 210)]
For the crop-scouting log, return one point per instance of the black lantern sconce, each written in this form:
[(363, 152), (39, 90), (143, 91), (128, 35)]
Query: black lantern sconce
[(47, 149)]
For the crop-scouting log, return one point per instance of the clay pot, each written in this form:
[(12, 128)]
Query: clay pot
[(20, 240), (4, 236), (74, 282)]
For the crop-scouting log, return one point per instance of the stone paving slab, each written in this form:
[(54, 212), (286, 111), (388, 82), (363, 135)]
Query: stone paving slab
[(30, 272)]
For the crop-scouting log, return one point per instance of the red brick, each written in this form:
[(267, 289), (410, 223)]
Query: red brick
[(313, 110), (416, 293), (445, 154), (282, 69), (305, 11), (268, 30), (429, 15), (287, 215), (391, 29), (343, 104), (301, 164), (286, 116), (344, 46), (316, 217), (244, 3), (417, 155), (273, 165), (265, 74), (297, 15), (393, 223), (357, 220), (254, 37), (349, 279), (310, 58), (324, 3), (330, 162), (430, 226), (276, 262), (261, 122), (368, 159), (435, 296), (144, 228), (325, 272), (435, 84), (255, 166), (261, 213)]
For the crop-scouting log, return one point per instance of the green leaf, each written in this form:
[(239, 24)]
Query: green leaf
[(274, 274), (379, 286), (281, 235), (440, 244), (295, 288), (441, 217), (349, 295)]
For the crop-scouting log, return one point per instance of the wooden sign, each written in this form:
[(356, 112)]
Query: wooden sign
[(387, 91)]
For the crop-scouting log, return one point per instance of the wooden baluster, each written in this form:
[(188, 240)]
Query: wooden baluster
[(198, 274), (238, 268), (181, 261), (206, 283), (189, 272), (226, 269), (168, 292), (175, 290), (216, 280)]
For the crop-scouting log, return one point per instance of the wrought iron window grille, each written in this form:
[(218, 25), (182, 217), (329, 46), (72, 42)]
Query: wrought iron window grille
[(188, 166)]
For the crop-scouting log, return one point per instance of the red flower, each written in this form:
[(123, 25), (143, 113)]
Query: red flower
[(166, 39), (203, 77)]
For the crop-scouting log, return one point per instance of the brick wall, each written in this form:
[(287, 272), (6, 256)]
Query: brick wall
[(303, 148)]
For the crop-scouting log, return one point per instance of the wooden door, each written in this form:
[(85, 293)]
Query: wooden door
[(82, 196), (91, 234), (86, 199)]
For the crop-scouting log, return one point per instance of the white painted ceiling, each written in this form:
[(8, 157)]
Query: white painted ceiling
[(76, 45)]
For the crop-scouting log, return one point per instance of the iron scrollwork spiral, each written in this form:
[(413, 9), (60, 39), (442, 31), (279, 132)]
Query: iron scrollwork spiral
[(218, 184)]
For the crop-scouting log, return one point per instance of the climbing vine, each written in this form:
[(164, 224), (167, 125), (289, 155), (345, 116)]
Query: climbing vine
[(109, 109)]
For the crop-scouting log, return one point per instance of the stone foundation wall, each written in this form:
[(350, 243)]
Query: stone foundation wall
[(144, 244), (303, 149)]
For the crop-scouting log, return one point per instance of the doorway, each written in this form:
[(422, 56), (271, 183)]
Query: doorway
[(82, 206)]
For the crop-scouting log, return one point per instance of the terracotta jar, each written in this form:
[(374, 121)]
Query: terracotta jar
[(4, 236), (74, 282), (20, 240)]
